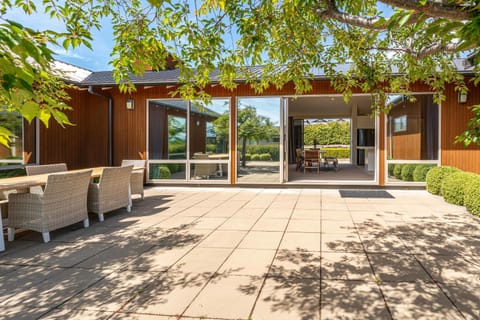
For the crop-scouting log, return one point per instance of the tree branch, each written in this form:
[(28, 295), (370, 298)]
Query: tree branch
[(435, 8), (375, 23), (425, 51)]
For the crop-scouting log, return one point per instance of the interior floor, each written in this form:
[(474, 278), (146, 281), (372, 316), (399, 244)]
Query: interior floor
[(344, 172)]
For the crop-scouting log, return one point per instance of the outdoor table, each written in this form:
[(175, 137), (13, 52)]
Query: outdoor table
[(25, 182)]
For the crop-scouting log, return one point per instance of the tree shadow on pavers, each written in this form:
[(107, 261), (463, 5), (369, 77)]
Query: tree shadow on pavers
[(30, 292), (292, 286), (432, 253), (180, 236)]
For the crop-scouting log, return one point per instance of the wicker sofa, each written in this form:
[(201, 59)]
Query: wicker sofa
[(63, 203)]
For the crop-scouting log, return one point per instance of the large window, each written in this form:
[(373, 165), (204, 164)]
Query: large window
[(209, 140), (188, 140), (258, 140), (167, 139), (12, 121), (412, 129)]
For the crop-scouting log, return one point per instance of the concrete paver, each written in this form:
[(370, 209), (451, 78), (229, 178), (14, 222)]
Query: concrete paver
[(228, 253)]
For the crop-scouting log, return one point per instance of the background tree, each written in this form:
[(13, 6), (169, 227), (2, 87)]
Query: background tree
[(252, 127), (388, 46)]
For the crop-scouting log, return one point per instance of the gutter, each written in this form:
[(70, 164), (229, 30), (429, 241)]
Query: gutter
[(110, 122)]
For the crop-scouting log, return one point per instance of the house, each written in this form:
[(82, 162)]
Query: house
[(177, 136)]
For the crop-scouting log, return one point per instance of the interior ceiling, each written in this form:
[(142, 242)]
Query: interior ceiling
[(327, 107)]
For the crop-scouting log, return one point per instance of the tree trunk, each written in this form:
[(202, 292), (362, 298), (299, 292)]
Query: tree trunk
[(244, 151)]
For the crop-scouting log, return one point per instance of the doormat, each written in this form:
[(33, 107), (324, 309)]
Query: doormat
[(366, 194)]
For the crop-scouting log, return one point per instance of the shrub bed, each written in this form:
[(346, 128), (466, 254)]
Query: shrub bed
[(435, 176), (272, 149), (420, 172), (471, 199), (453, 186), (407, 172), (397, 170), (12, 173), (265, 157)]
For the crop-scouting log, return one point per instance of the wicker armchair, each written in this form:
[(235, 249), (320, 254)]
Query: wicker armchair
[(63, 202), (111, 192), (136, 179), (43, 169), (3, 216)]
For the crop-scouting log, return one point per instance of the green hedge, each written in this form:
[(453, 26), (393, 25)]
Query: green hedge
[(407, 172), (472, 196), (391, 166), (272, 149), (435, 176), (12, 173), (341, 153), (397, 170), (420, 172), (265, 157), (453, 186)]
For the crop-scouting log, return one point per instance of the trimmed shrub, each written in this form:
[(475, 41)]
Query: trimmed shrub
[(472, 196), (265, 157), (164, 172), (397, 170), (248, 156), (407, 172), (435, 176), (391, 166), (420, 172), (173, 167), (255, 157), (453, 186)]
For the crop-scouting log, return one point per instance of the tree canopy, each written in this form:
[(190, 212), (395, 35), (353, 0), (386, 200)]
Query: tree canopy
[(388, 46)]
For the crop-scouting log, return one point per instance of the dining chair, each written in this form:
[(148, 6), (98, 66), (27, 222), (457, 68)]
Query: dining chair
[(111, 192), (64, 202), (44, 169), (311, 160), (137, 177), (203, 170), (298, 158)]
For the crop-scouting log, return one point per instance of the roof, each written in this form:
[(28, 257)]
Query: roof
[(105, 78), (70, 72)]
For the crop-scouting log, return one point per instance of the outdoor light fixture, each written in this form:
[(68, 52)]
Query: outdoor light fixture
[(462, 97), (130, 104)]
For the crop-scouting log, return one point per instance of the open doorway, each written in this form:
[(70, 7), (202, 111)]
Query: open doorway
[(342, 133)]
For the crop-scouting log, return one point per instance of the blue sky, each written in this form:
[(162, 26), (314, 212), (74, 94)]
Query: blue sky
[(102, 43)]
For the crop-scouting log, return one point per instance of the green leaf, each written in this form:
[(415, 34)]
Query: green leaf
[(30, 110)]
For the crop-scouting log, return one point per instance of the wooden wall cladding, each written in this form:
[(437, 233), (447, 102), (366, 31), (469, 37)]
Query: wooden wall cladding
[(454, 121), (85, 144)]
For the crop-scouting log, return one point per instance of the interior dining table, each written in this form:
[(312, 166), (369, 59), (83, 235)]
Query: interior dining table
[(23, 184)]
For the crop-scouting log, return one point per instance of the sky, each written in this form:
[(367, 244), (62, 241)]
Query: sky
[(102, 43)]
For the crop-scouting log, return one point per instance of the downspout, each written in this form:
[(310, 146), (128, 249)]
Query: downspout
[(110, 122)]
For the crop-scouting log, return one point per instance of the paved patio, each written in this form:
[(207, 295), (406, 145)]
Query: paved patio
[(204, 253)]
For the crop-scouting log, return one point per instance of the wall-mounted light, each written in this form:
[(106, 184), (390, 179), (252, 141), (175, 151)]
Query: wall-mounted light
[(462, 97), (130, 104)]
